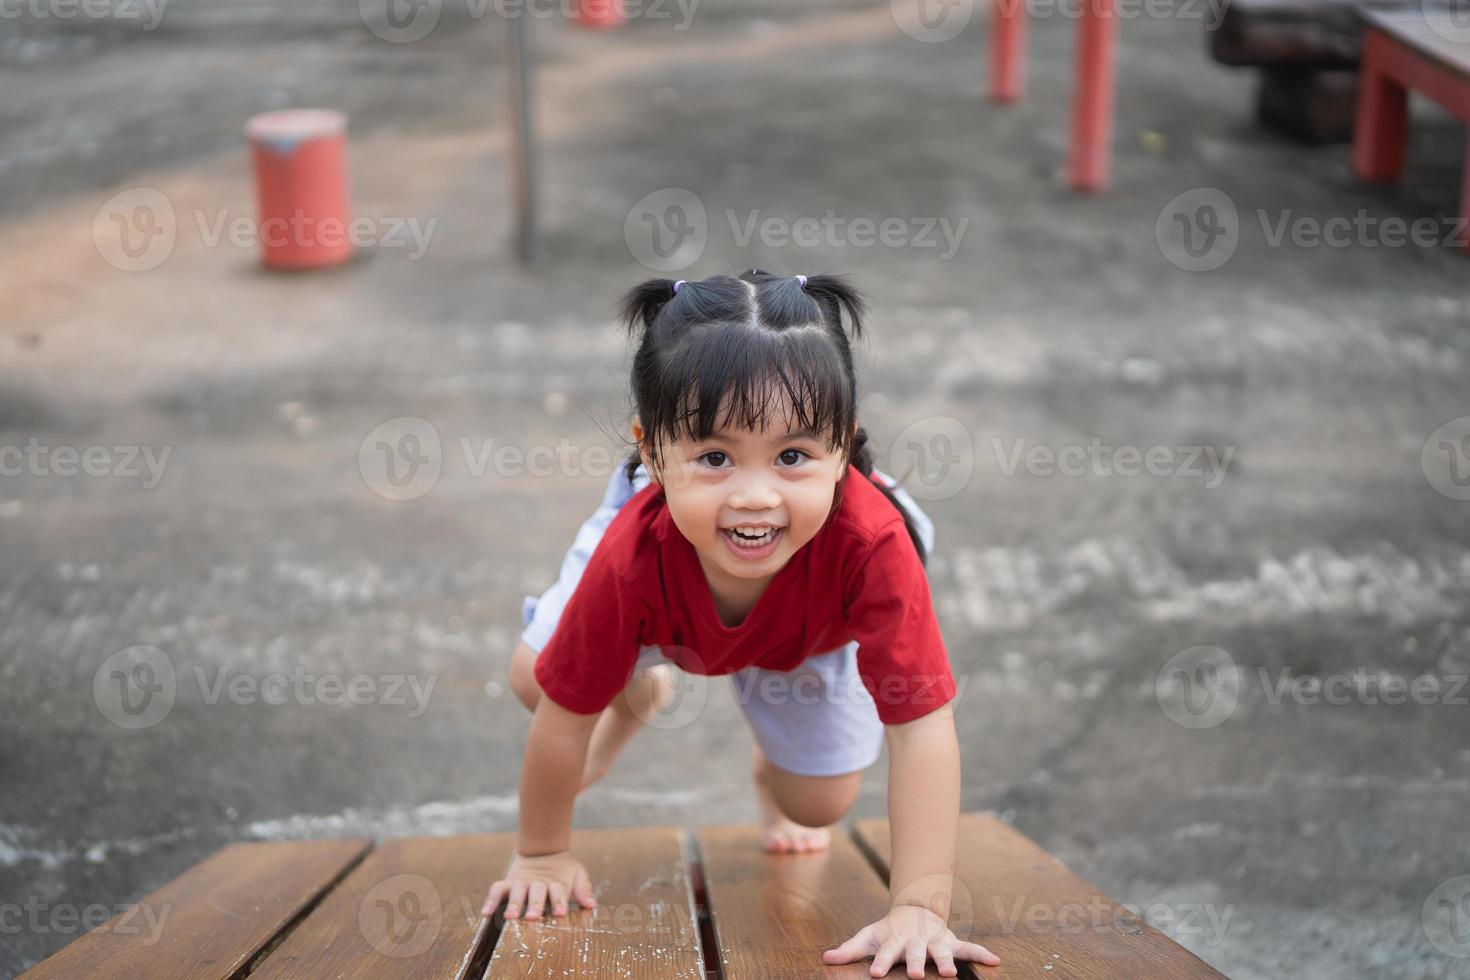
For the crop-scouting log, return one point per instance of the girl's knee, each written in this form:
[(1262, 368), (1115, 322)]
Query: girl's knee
[(814, 801), (523, 676)]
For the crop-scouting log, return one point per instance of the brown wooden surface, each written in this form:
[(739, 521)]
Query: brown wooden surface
[(775, 914), (212, 920), (411, 909), (1298, 34), (1033, 913), (644, 925)]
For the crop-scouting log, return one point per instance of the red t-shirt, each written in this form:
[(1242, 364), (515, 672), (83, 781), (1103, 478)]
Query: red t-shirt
[(859, 578)]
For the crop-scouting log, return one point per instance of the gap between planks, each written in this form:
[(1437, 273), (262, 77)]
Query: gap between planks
[(300, 917)]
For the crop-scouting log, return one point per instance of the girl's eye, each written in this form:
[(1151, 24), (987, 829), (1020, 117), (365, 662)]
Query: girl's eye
[(717, 458)]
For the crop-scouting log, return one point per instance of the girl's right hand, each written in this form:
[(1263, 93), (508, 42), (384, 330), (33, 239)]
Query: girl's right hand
[(530, 881)]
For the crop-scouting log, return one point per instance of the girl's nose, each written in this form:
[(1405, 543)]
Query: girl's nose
[(754, 493)]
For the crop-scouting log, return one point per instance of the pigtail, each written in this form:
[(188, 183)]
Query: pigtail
[(837, 295), (642, 304), (862, 461)]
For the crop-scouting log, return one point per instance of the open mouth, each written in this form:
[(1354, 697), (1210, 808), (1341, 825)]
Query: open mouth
[(752, 538)]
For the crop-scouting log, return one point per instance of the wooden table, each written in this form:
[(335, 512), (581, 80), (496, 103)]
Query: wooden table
[(672, 904), (1423, 51)]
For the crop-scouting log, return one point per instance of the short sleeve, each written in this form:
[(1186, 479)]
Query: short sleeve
[(901, 655), (593, 649)]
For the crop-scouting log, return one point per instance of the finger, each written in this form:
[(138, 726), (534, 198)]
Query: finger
[(536, 904), (976, 952), (497, 892), (582, 891), (517, 899), (855, 948), (915, 953), (558, 898), (883, 959), (945, 963)]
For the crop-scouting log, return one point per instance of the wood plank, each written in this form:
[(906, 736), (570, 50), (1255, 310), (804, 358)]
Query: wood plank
[(211, 921), (775, 914), (411, 909), (644, 925), (1035, 914), (1297, 34)]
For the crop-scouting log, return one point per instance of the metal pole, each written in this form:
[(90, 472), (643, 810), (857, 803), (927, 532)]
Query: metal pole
[(522, 136)]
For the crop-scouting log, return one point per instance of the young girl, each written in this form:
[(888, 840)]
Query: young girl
[(750, 535)]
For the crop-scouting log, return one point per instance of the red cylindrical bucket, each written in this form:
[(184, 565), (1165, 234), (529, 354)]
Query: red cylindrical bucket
[(300, 161), (600, 13)]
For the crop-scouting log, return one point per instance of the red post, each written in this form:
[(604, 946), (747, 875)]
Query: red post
[(1092, 98), (1007, 50), (1382, 125), (300, 161)]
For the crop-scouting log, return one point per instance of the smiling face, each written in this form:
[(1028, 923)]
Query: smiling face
[(748, 500)]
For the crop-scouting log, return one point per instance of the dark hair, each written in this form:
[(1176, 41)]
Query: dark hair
[(729, 337)]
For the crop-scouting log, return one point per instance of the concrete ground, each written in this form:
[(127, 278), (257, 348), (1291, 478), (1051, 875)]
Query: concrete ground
[(1273, 834)]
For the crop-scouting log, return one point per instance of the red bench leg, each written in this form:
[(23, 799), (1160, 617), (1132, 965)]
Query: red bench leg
[(1382, 125), (1092, 106), (1008, 50)]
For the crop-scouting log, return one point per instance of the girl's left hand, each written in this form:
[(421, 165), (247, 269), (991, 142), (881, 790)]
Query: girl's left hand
[(914, 934)]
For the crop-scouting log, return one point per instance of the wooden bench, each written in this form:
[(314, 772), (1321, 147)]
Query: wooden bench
[(1423, 52), (671, 904), (1308, 52)]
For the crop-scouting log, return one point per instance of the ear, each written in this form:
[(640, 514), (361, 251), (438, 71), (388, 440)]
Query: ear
[(637, 431)]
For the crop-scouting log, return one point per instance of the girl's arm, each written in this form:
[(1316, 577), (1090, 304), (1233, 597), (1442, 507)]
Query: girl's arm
[(923, 811), (551, 773)]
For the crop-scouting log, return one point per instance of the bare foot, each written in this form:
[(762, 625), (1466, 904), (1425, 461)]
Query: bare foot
[(621, 721), (780, 835)]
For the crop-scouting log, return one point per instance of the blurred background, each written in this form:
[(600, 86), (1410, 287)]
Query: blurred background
[(1197, 445)]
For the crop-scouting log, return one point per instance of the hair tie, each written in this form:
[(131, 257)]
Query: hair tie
[(802, 280), (677, 285)]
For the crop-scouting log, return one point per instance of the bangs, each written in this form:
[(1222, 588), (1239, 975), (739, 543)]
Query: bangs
[(735, 376)]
